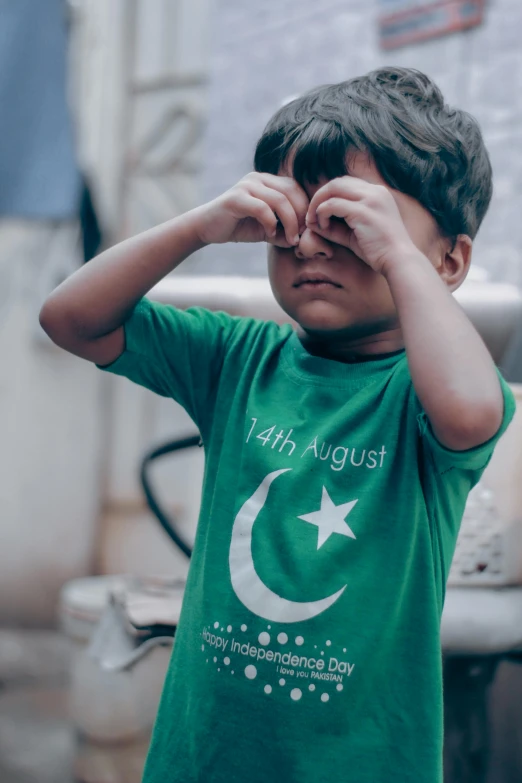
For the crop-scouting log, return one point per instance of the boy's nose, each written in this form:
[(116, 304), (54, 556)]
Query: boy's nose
[(311, 244)]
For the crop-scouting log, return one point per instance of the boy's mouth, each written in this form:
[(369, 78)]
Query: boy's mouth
[(315, 280)]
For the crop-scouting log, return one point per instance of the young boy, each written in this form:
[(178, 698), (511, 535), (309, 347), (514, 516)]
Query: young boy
[(338, 457)]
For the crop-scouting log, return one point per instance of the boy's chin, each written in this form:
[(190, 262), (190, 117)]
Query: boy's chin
[(325, 327), (323, 322)]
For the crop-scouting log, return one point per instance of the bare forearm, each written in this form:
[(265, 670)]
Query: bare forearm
[(99, 297), (452, 371)]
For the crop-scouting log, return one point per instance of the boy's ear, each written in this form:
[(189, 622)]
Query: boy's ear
[(455, 265)]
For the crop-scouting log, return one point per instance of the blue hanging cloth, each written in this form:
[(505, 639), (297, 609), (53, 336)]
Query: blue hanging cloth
[(39, 175)]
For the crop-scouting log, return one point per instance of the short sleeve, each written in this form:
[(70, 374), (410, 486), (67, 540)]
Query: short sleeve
[(475, 459), (176, 353)]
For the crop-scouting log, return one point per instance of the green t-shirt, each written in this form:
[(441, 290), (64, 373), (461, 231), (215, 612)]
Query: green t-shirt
[(308, 648)]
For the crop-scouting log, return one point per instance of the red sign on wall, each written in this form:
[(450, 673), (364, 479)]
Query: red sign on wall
[(403, 22)]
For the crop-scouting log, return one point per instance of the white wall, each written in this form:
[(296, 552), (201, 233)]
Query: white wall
[(50, 431)]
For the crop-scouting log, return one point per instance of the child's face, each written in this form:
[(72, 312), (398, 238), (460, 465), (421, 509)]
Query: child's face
[(360, 304)]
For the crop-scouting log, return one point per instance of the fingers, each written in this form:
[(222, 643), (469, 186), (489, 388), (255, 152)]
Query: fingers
[(281, 206), (282, 196), (294, 193), (286, 197), (345, 188), (339, 208), (257, 208)]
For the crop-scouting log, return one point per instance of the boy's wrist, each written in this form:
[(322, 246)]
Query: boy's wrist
[(402, 260), (189, 226)]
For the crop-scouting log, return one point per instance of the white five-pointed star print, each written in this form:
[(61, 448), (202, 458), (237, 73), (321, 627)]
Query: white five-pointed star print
[(330, 519)]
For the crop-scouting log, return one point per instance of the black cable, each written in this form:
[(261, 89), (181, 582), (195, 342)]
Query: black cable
[(168, 525)]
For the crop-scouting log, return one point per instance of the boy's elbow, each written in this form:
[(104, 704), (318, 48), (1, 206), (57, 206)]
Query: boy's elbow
[(47, 318), (55, 322), (470, 431)]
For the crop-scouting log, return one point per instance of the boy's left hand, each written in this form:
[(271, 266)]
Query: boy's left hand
[(370, 223)]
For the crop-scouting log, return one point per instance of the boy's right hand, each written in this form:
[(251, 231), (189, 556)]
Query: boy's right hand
[(260, 208)]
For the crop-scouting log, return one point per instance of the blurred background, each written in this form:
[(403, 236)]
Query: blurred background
[(116, 115)]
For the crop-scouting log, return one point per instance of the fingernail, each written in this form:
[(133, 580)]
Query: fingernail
[(297, 239)]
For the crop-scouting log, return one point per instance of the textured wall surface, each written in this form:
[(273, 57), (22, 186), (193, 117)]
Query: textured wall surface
[(264, 53)]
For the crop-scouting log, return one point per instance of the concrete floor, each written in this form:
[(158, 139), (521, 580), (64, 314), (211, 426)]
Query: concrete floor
[(37, 743)]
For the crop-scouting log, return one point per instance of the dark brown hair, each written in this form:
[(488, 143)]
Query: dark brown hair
[(421, 146)]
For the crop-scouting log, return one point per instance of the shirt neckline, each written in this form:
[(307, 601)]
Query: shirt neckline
[(302, 364)]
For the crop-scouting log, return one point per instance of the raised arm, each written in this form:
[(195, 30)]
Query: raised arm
[(452, 371), (86, 313)]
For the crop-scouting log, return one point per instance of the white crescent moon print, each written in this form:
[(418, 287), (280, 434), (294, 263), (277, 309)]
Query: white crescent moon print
[(249, 588)]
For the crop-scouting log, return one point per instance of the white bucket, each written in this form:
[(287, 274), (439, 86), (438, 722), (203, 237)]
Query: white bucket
[(111, 706)]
